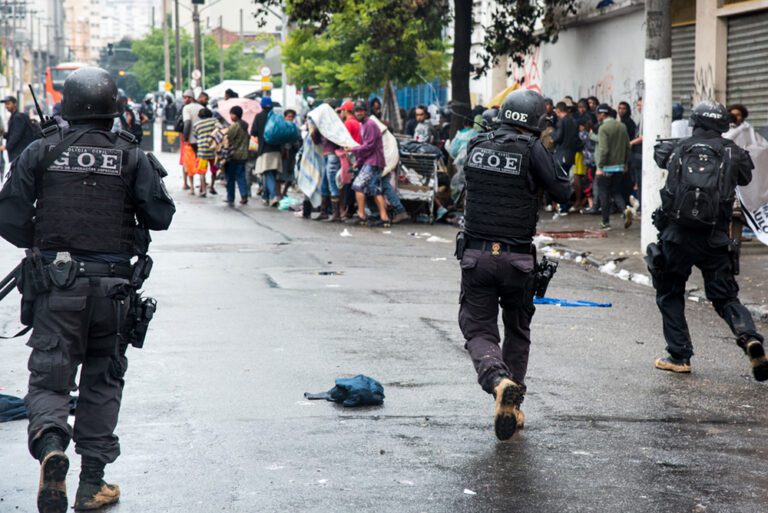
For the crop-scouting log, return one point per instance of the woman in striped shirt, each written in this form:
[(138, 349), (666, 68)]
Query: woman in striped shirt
[(206, 151)]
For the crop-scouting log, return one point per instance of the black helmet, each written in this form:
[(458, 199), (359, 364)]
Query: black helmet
[(491, 118), (522, 108), (710, 115), (89, 93)]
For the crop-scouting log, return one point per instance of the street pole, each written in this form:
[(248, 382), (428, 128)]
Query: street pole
[(178, 48), (166, 44), (221, 48), (283, 76), (241, 25), (657, 107), (196, 22)]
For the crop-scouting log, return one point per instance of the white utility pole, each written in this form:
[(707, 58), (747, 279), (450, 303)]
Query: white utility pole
[(657, 107)]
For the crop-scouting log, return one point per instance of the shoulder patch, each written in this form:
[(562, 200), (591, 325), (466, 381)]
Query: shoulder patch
[(495, 161), (85, 159)]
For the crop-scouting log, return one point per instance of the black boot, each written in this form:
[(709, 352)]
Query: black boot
[(756, 353), (324, 209), (54, 464), (93, 492), (336, 211)]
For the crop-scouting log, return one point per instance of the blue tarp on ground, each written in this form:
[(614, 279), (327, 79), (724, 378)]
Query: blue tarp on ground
[(568, 302)]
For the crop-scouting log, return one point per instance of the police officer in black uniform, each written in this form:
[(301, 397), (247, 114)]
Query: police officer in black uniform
[(710, 248), (505, 170), (83, 200)]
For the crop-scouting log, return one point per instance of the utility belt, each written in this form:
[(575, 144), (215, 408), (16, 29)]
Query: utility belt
[(38, 276), (498, 247), (543, 271)]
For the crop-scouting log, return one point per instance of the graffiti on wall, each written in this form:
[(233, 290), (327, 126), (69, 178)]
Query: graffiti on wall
[(529, 74), (704, 84)]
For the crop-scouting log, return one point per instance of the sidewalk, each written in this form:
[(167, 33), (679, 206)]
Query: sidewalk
[(618, 252)]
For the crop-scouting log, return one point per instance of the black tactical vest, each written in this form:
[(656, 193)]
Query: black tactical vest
[(85, 199), (501, 203)]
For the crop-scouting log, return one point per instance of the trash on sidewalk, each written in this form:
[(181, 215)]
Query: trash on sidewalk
[(467, 491), (568, 302), (575, 234), (435, 238), (358, 391), (345, 233), (287, 202)]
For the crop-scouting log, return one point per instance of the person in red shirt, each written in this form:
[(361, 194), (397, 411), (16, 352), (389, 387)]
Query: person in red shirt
[(347, 115)]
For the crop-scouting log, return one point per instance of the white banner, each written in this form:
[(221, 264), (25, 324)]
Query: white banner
[(754, 197)]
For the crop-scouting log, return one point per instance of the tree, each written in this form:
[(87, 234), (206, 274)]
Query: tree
[(354, 47), (119, 65), (150, 68), (515, 31)]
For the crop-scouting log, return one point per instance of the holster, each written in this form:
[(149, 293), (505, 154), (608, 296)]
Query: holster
[(543, 274), (140, 315), (461, 245), (34, 280), (654, 259)]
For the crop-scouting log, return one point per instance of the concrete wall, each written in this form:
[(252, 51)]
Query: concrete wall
[(604, 59)]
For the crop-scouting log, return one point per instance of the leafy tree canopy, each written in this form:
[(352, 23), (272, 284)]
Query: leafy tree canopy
[(350, 47), (515, 30), (150, 68)]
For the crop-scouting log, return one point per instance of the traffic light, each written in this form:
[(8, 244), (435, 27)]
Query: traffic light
[(110, 49), (198, 2)]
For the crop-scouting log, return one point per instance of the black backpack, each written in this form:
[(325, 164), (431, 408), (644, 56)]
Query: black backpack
[(699, 184)]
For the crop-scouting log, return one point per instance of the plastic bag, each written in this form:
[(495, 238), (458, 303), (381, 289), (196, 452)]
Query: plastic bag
[(279, 131)]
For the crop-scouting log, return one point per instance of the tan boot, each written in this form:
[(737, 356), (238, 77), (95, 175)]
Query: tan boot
[(509, 396), (520, 419), (672, 364), (92, 496), (52, 492), (757, 358)]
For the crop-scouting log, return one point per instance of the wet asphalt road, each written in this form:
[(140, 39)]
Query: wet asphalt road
[(214, 420)]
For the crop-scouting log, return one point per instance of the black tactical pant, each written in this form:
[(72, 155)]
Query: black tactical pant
[(488, 281), (720, 288), (78, 326), (611, 188)]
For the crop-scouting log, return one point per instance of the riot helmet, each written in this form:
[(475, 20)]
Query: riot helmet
[(710, 115), (523, 108), (491, 118), (89, 93)]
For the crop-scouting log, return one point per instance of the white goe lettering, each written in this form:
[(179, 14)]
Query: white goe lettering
[(476, 157), (494, 160), (109, 161), (511, 163), (81, 160), (63, 160)]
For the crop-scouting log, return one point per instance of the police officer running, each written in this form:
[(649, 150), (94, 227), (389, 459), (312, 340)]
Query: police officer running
[(505, 170), (83, 200), (695, 213)]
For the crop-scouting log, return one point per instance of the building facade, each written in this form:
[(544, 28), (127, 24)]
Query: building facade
[(719, 50)]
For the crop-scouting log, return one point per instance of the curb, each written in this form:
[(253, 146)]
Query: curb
[(612, 268)]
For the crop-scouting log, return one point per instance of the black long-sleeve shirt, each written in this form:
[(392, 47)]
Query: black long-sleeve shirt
[(154, 208), (19, 135)]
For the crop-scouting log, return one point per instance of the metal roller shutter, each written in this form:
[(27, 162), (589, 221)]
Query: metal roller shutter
[(683, 65), (747, 80)]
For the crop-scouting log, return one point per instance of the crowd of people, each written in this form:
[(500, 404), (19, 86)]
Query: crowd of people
[(354, 185)]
